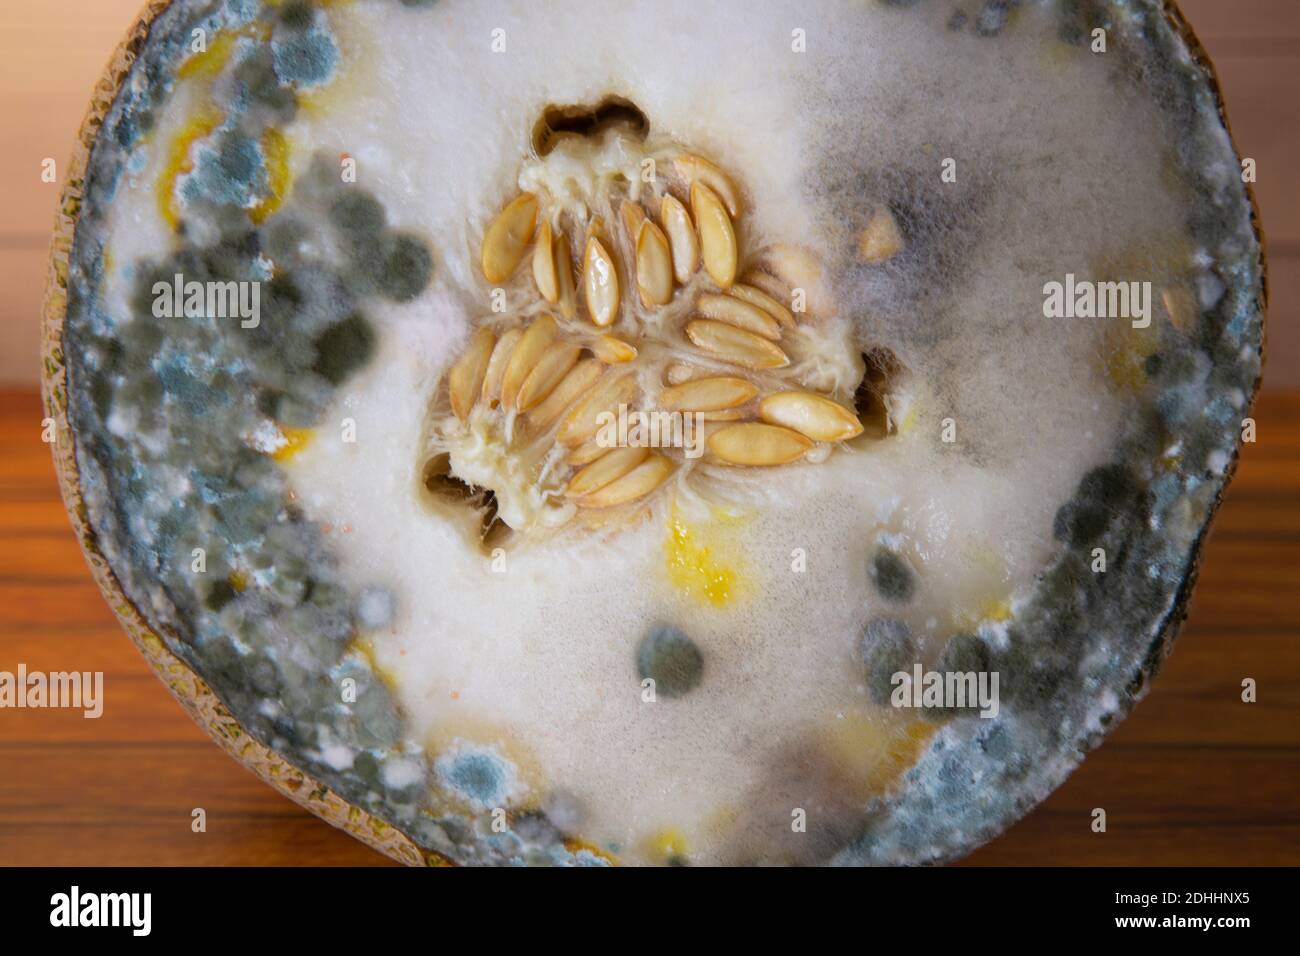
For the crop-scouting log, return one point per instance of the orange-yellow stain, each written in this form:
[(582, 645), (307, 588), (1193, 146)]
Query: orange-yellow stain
[(576, 845), (909, 420), (667, 844), (237, 580), (275, 154), (694, 566), (365, 647), (1127, 351), (208, 63), (993, 609), (871, 752), (179, 162), (295, 440), (205, 66), (1125, 348)]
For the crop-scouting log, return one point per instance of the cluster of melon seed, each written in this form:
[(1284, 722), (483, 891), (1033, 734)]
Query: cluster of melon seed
[(719, 353)]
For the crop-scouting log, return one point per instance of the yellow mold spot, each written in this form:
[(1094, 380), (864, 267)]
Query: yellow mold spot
[(667, 844), (210, 62), (992, 609), (179, 162), (909, 419), (694, 566), (295, 440), (873, 751), (275, 152), (1127, 350), (365, 647), (996, 610)]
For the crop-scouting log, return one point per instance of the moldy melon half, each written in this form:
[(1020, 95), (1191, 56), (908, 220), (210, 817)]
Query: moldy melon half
[(631, 401)]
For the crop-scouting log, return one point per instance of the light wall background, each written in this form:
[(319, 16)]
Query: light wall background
[(53, 51)]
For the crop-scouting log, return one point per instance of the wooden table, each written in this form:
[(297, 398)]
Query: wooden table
[(1195, 776)]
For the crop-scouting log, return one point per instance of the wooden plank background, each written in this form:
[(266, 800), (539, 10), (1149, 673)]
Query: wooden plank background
[(1195, 776)]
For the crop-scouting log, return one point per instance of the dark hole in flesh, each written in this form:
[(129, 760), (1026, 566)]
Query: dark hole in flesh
[(883, 368), (439, 482), (557, 122)]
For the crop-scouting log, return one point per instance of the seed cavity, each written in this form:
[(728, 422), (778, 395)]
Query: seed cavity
[(612, 322)]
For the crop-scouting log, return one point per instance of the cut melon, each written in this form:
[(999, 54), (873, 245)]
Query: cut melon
[(639, 408)]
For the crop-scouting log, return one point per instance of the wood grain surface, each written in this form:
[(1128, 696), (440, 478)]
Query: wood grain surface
[(1195, 776)]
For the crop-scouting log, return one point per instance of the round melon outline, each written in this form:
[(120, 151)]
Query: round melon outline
[(201, 702)]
